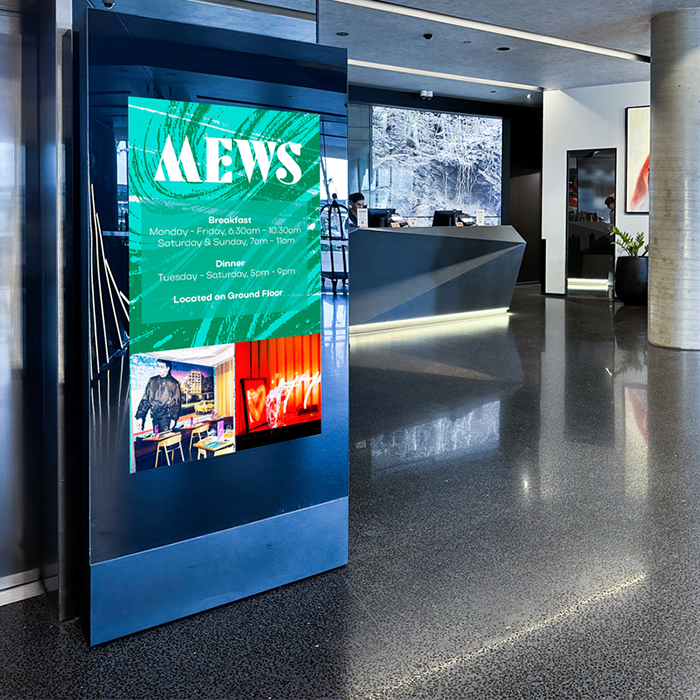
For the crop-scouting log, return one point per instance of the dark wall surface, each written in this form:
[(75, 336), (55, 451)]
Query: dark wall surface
[(522, 158)]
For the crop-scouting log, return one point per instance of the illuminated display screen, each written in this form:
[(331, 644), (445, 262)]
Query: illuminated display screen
[(427, 161), (224, 279)]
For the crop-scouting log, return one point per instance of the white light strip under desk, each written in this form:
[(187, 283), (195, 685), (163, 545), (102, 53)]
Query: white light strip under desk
[(580, 284), (493, 29), (425, 321), (444, 76)]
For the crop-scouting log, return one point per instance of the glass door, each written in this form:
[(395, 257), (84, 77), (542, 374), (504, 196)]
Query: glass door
[(590, 218)]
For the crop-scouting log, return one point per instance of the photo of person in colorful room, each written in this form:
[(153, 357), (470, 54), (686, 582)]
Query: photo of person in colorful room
[(185, 404), (162, 398), (279, 390)]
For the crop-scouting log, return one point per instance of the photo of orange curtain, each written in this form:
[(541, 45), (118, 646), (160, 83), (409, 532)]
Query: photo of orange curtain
[(225, 388), (291, 366)]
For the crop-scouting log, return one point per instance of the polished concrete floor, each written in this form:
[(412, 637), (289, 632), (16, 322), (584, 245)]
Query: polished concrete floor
[(525, 523)]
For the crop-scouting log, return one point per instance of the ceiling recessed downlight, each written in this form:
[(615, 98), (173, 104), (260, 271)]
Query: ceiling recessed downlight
[(381, 6), (342, 34), (503, 48)]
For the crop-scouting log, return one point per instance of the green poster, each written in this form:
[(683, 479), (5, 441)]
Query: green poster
[(224, 229)]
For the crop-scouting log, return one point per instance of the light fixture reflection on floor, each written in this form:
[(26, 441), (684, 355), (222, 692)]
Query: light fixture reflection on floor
[(573, 609), (431, 323), (587, 284)]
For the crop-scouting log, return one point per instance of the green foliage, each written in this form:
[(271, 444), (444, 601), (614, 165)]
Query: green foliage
[(633, 246)]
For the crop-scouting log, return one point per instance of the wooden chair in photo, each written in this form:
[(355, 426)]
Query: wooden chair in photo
[(169, 447), (200, 431)]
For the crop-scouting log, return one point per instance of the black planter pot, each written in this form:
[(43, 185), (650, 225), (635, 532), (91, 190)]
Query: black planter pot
[(631, 279)]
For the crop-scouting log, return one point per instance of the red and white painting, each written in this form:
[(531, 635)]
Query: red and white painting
[(638, 149)]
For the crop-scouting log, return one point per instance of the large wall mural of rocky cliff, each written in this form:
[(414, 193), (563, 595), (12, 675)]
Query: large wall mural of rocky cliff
[(423, 161)]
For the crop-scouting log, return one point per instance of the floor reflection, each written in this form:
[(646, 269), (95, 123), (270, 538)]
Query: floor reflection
[(469, 435), (334, 332), (524, 523), (489, 533)]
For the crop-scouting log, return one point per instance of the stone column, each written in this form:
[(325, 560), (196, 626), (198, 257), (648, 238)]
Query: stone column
[(674, 257)]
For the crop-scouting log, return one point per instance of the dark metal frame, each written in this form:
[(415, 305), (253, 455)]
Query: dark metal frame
[(335, 208), (566, 207)]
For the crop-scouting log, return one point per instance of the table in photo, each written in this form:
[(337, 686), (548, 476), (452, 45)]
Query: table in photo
[(215, 446), (168, 443)]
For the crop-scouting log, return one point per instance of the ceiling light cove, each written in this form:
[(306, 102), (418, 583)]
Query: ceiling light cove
[(443, 76), (381, 6)]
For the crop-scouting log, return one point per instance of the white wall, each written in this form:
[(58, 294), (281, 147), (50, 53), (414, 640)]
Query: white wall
[(577, 119)]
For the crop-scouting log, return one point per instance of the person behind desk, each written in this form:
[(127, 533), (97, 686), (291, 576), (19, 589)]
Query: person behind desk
[(610, 204), (357, 201), (162, 398)]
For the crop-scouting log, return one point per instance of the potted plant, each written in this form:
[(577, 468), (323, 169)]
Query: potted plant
[(631, 270)]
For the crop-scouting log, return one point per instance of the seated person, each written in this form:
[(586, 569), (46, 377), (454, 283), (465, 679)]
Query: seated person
[(610, 204), (357, 201)]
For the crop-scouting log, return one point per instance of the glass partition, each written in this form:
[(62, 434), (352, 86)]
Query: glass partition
[(359, 149)]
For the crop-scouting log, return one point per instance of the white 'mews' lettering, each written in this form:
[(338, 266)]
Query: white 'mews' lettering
[(253, 153), (174, 166), (263, 156), (215, 160), (292, 167)]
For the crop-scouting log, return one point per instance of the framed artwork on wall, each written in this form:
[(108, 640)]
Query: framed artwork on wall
[(638, 123), (254, 396)]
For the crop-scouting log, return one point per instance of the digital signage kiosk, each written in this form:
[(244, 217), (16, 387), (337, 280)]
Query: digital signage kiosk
[(217, 441)]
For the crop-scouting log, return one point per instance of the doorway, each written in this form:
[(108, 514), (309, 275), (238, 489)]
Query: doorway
[(590, 257)]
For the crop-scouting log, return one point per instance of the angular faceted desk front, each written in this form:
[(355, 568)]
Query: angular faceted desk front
[(411, 273)]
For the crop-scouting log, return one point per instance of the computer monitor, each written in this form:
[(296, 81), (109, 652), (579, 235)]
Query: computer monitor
[(379, 218), (446, 218)]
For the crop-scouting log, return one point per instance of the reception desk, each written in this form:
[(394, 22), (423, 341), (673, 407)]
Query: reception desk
[(412, 274)]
